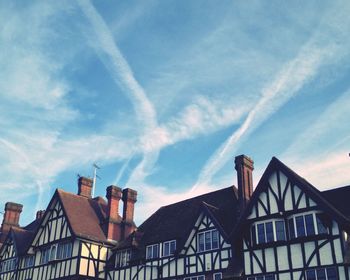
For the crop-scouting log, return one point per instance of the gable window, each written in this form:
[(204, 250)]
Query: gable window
[(28, 261), (122, 258), (208, 240), (45, 255), (306, 225), (152, 251), (169, 248), (64, 250), (329, 273), (8, 265), (268, 232)]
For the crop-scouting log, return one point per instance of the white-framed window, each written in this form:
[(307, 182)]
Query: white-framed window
[(64, 250), (306, 225), (28, 261), (217, 276), (262, 277), (208, 240), (152, 251), (169, 248), (329, 273), (270, 231), (56, 252), (122, 258), (8, 265), (199, 277)]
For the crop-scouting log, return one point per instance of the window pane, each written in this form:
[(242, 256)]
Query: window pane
[(291, 228), (299, 222), (215, 236), (320, 226), (217, 276), (166, 249), (149, 252), (201, 242), (155, 251), (269, 232), (253, 235), (310, 275), (260, 278), (172, 247), (321, 274), (261, 233), (280, 231), (331, 273), (207, 241), (309, 222), (269, 277)]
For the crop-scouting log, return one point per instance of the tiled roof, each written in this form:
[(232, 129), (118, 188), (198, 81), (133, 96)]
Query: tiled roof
[(175, 221), (86, 216), (339, 198)]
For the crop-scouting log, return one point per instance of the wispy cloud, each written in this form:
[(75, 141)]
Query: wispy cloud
[(286, 84)]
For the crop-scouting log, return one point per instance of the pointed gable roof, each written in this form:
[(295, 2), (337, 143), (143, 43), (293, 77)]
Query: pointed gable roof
[(85, 216), (176, 220), (276, 165)]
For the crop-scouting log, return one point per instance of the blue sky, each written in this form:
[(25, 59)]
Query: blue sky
[(163, 95)]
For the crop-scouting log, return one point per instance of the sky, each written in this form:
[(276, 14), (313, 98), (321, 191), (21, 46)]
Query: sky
[(162, 95)]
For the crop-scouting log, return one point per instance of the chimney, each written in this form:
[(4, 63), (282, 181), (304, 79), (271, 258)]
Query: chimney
[(39, 214), (84, 186), (244, 166), (11, 218), (129, 199), (114, 232)]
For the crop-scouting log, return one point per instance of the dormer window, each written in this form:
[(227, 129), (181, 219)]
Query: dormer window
[(122, 258), (169, 248), (152, 251), (28, 261)]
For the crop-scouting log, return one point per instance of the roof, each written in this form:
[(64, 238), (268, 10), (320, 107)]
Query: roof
[(175, 221), (339, 198), (86, 216)]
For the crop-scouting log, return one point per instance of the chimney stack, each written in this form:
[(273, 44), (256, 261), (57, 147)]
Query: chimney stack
[(114, 232), (84, 186), (40, 214), (129, 200), (11, 218), (244, 166)]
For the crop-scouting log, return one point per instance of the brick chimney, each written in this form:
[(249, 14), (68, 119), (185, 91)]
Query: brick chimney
[(244, 166), (39, 214), (114, 231), (129, 200), (84, 186), (11, 218)]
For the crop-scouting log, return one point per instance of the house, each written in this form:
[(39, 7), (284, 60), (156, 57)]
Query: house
[(186, 240), (292, 231), (70, 239)]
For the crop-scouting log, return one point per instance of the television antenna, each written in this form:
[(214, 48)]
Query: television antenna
[(95, 166)]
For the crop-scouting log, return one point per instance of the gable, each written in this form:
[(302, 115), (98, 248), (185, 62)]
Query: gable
[(279, 194), (54, 226), (8, 249)]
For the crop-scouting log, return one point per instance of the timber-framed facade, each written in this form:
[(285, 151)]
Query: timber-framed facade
[(285, 230)]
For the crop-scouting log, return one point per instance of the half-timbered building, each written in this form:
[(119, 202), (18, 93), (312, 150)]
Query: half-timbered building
[(187, 240), (70, 239), (292, 231)]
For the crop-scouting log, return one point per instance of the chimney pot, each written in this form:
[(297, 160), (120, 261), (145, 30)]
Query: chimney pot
[(85, 186), (40, 214), (11, 218)]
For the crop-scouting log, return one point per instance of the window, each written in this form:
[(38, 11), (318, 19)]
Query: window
[(64, 250), (217, 276), (262, 277), (169, 248), (208, 240), (45, 254), (152, 251), (306, 225), (268, 232), (200, 277), (122, 258), (329, 273), (28, 261), (8, 265)]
